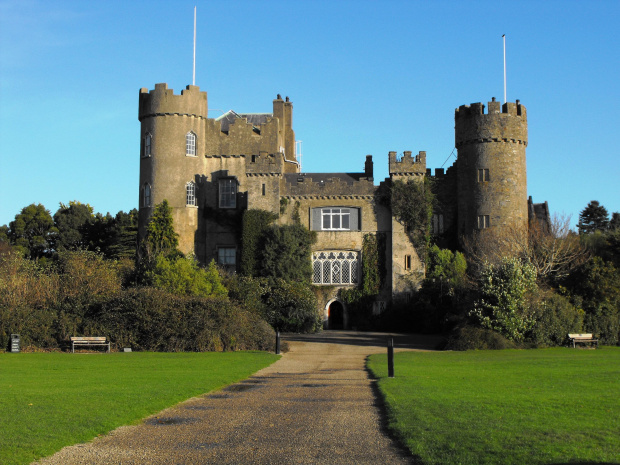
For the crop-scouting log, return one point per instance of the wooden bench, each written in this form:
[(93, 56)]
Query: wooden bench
[(582, 339), (89, 341)]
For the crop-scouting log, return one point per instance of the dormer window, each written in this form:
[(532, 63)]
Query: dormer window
[(190, 144)]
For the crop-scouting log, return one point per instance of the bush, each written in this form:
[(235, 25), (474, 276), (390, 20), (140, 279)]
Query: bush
[(504, 304), (151, 319), (184, 276), (556, 318), (292, 307), (474, 338)]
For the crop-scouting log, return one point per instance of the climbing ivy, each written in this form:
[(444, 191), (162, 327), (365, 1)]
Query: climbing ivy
[(373, 270), (411, 203), (254, 225)]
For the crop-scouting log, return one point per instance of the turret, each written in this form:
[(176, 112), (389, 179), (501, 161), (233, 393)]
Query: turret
[(172, 133), (492, 178)]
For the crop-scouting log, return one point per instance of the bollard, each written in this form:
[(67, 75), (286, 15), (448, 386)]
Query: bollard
[(277, 342), (391, 357)]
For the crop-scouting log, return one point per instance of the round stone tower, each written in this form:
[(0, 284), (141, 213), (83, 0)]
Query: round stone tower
[(491, 169), (172, 132)]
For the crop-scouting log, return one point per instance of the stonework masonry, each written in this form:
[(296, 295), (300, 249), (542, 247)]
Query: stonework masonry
[(211, 169)]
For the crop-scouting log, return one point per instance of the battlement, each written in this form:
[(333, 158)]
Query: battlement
[(161, 101), (327, 184), (264, 163), (407, 164), (477, 109), (474, 126)]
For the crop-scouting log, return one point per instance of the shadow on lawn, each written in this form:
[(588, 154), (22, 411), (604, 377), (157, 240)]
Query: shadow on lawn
[(369, 339)]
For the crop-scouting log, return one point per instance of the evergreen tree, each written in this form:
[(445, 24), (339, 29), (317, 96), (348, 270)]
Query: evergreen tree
[(160, 235), (593, 218)]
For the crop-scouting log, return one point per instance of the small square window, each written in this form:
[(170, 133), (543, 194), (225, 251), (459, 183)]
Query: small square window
[(483, 174), (407, 262), (483, 221), (227, 256)]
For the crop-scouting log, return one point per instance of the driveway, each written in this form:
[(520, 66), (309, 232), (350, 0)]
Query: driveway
[(317, 404)]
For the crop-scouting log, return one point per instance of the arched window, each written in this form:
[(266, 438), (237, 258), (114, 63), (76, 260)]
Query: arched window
[(190, 194), (146, 195), (147, 145), (190, 144)]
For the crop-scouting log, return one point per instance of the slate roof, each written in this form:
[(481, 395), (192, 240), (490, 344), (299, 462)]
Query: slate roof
[(255, 119)]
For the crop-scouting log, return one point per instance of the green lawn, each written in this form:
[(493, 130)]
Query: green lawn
[(50, 400), (547, 406)]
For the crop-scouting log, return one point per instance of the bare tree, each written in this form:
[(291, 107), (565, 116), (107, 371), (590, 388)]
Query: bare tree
[(554, 251)]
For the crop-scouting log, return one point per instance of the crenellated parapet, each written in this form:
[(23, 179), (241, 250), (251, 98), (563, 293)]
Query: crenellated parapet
[(162, 101), (506, 123), (407, 165), (327, 184), (264, 164)]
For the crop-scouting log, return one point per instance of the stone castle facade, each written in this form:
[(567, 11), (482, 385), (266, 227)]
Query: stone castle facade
[(213, 168)]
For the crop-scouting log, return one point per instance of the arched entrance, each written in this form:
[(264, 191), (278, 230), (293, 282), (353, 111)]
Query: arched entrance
[(335, 315)]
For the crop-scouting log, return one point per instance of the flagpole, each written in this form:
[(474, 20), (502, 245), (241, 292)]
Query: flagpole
[(194, 72), (504, 37)]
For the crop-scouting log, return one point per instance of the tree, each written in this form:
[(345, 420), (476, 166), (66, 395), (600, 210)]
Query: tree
[(160, 235), (593, 218), (553, 252), (73, 222), (614, 223), (255, 224), (33, 231)]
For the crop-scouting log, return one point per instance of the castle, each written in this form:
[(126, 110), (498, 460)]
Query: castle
[(208, 168)]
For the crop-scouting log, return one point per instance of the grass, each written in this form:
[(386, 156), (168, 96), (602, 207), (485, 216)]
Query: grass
[(547, 406), (50, 400)]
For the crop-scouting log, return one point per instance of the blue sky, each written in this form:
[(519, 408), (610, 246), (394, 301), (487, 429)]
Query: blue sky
[(365, 77)]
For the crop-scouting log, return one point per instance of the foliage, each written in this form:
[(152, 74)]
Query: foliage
[(504, 306), (51, 400), (295, 215), (249, 292), (475, 338), (507, 407), (605, 244), (286, 253), (292, 307), (73, 222), (255, 223), (595, 287), (411, 204), (160, 235), (556, 318), (446, 266), (33, 231), (593, 218), (614, 223), (184, 276)]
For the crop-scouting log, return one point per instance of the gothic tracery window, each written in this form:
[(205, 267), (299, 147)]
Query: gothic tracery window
[(335, 267)]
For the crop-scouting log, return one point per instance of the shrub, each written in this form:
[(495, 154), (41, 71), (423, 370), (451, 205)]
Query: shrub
[(474, 338), (292, 307), (504, 306), (184, 276), (556, 317)]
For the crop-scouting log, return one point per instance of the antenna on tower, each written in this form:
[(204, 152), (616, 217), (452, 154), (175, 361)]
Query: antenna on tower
[(504, 37), (194, 72)]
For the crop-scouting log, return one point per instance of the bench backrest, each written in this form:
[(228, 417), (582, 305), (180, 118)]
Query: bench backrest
[(580, 336), (88, 339)]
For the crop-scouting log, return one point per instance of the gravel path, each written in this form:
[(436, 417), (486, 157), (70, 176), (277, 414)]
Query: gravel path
[(315, 405)]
